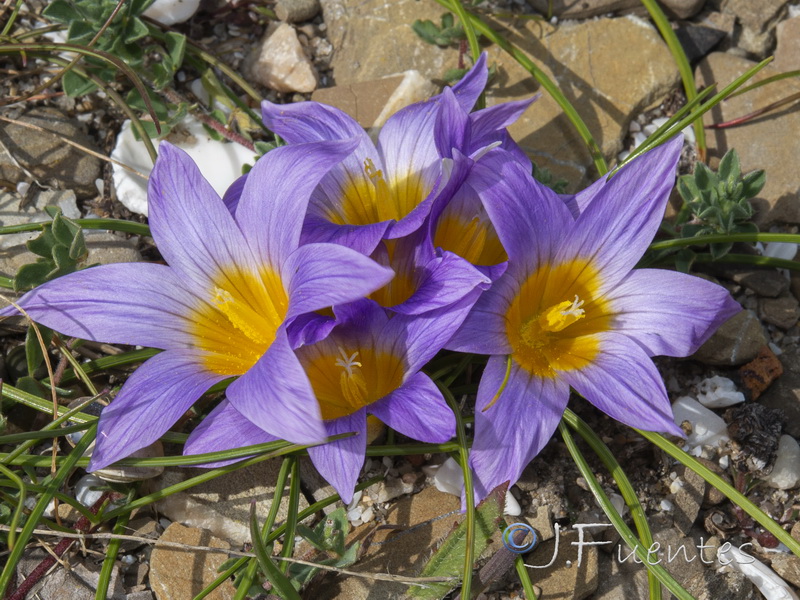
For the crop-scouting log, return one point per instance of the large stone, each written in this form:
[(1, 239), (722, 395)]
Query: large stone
[(371, 103), (44, 154), (583, 60), (769, 142), (583, 9), (415, 525), (787, 53), (222, 505), (374, 38), (567, 578), (757, 20), (181, 574), (736, 342), (281, 63)]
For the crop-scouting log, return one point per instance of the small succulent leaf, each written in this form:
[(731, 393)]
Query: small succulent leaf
[(280, 583), (729, 170), (684, 260), (61, 12), (719, 250), (135, 31), (75, 85), (704, 177), (753, 183), (33, 349), (29, 276), (176, 48)]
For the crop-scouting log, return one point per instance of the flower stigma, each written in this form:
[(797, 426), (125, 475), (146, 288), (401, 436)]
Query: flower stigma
[(351, 380)]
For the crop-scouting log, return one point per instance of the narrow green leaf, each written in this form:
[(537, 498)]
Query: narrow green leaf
[(280, 583), (176, 48)]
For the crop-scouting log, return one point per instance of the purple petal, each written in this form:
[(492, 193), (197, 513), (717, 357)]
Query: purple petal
[(624, 213), (484, 329), (322, 275), (363, 317), (446, 280), (670, 313), (530, 219), (451, 129), (468, 90), (419, 337), (512, 431), (361, 238), (275, 196), (309, 329), (193, 229), (127, 303), (275, 395), (233, 193), (417, 410), (340, 462), (487, 125), (157, 394), (224, 429), (302, 122), (624, 383)]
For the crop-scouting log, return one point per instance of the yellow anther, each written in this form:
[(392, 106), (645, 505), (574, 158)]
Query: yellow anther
[(241, 316), (562, 315)]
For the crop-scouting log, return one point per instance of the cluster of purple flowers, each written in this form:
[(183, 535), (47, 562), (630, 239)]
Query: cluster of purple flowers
[(328, 276)]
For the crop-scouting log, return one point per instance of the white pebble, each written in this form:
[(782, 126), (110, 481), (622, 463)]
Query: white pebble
[(724, 461), (765, 579), (666, 505), (785, 474), (449, 477), (367, 515), (169, 12), (84, 492), (783, 250), (707, 428), (23, 187), (676, 486), (718, 392)]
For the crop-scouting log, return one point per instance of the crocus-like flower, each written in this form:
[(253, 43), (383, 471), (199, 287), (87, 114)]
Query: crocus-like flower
[(570, 311), (368, 364), (222, 306), (387, 190)]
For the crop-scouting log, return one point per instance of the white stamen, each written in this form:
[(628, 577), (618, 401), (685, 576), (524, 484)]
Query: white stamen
[(347, 362), (575, 309)]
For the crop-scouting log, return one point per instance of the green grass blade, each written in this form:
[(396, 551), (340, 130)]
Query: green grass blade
[(111, 558), (108, 224), (36, 513), (684, 68), (616, 519), (280, 583), (723, 486)]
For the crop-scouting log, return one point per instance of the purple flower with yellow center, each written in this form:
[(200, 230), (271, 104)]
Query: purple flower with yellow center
[(570, 311), (368, 364), (222, 306), (386, 190)]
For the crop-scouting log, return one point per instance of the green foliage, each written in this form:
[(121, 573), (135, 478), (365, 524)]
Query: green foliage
[(448, 559), (328, 537), (126, 38), (719, 203), (60, 247), (444, 35), (543, 175)]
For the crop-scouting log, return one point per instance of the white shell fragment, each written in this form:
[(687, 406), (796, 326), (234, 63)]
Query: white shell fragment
[(718, 392), (219, 162), (85, 491), (449, 479), (169, 12), (785, 474), (708, 429), (765, 579), (782, 250)]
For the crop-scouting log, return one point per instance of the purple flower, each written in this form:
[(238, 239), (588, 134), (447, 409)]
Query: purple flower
[(386, 190), (570, 311), (368, 364), (222, 306)]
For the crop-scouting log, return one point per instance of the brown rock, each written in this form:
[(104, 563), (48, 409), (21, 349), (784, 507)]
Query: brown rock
[(759, 373), (280, 63), (782, 312), (372, 102), (416, 524), (769, 142), (583, 60), (177, 574), (737, 341), (565, 579), (757, 20), (688, 499), (769, 284), (45, 155), (585, 9), (788, 567), (373, 38), (682, 9), (787, 53)]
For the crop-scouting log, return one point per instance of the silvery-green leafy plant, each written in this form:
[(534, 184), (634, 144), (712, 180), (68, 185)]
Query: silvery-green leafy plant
[(719, 203)]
